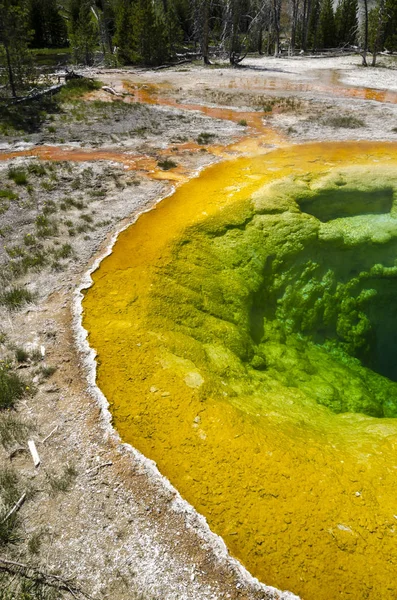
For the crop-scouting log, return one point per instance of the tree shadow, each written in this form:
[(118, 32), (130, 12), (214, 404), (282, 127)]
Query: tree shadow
[(27, 117)]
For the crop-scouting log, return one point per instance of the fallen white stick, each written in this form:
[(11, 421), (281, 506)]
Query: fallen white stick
[(16, 507), (50, 434), (34, 453), (110, 90), (106, 464)]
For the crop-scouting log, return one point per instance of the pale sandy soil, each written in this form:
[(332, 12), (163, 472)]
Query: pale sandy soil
[(121, 530)]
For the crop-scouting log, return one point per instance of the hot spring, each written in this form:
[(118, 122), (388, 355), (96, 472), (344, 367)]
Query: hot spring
[(246, 339)]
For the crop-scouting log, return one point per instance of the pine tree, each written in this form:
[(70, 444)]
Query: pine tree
[(47, 23), (123, 38), (313, 36), (327, 25), (15, 36), (390, 26), (346, 22), (83, 31), (149, 40), (377, 22)]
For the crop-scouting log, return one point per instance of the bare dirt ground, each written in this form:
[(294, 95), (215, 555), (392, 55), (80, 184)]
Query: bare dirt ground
[(97, 511)]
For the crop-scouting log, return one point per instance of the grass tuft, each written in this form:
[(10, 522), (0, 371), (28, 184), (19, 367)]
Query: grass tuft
[(10, 492), (166, 164), (16, 297), (205, 138), (18, 175), (343, 121), (21, 355), (12, 387), (75, 88), (13, 429), (62, 482)]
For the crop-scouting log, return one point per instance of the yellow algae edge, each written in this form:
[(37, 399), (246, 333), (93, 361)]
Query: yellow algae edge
[(194, 520)]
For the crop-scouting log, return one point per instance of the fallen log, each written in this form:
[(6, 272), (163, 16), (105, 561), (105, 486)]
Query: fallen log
[(51, 90), (169, 65)]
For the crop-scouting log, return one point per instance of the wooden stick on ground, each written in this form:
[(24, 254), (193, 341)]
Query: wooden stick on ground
[(14, 509), (39, 576)]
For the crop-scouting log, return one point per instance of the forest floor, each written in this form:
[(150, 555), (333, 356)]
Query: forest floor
[(84, 169)]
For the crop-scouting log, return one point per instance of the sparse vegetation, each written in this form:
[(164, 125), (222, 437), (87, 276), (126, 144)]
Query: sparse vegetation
[(63, 481), (344, 121), (8, 194), (10, 492), (21, 355), (45, 227), (13, 429), (205, 138), (75, 88), (47, 371), (167, 164), (12, 387), (18, 175), (15, 297)]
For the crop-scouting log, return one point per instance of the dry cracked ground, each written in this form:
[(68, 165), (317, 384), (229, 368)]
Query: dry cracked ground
[(73, 172)]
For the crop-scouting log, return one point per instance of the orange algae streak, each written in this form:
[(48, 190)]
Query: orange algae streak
[(150, 94), (305, 501)]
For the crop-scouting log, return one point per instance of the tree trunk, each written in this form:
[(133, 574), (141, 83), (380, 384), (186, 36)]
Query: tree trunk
[(276, 23), (364, 55), (10, 72), (205, 33), (306, 20), (260, 41)]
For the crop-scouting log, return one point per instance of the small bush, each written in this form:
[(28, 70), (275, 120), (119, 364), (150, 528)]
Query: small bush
[(49, 207), (47, 371), (10, 492), (34, 543), (12, 387), (86, 218), (63, 482), (37, 168), (16, 297), (29, 239), (76, 88), (46, 227), (205, 138), (65, 251), (166, 164), (13, 429), (342, 121), (21, 355), (243, 123), (9, 194), (18, 175)]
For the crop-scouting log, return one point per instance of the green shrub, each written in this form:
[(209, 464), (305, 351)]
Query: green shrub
[(16, 297), (9, 194), (37, 168), (76, 88), (21, 355), (18, 175), (62, 482), (12, 387), (10, 492), (13, 429), (205, 138), (343, 121), (167, 164)]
